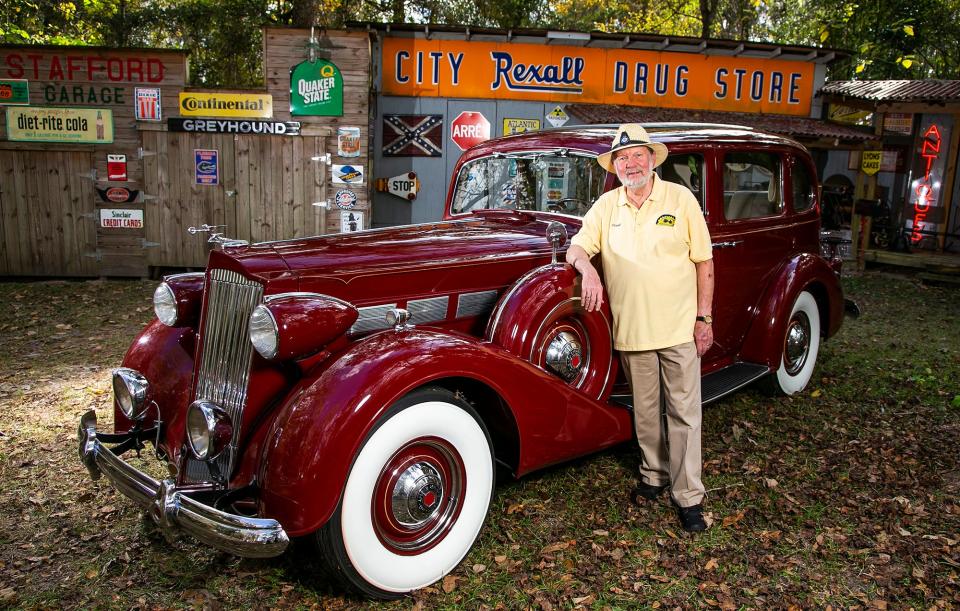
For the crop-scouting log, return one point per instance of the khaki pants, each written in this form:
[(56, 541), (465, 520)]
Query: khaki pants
[(670, 456)]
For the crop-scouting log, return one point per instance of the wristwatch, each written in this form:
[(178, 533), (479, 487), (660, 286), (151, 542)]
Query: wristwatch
[(706, 318)]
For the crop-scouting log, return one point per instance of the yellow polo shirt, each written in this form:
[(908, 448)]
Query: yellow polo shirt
[(648, 260)]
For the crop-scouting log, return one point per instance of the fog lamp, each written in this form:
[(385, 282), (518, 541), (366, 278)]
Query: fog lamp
[(209, 429), (130, 392)]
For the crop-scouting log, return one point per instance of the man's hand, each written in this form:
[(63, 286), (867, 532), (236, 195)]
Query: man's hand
[(591, 294), (703, 337), (591, 288)]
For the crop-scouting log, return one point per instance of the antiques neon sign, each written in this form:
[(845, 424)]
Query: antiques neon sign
[(924, 189)]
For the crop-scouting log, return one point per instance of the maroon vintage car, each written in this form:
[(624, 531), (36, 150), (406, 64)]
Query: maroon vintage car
[(361, 389)]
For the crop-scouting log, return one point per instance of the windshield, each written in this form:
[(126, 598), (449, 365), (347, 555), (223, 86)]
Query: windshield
[(555, 181)]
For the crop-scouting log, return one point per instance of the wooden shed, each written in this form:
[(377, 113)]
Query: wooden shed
[(109, 163)]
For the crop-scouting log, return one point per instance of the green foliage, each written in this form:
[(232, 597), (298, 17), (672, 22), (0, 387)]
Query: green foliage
[(909, 39)]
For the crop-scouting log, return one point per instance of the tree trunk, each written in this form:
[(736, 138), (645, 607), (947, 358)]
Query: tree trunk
[(303, 14), (708, 13)]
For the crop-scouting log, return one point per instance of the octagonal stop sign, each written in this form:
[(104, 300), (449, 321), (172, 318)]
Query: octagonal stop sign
[(469, 129)]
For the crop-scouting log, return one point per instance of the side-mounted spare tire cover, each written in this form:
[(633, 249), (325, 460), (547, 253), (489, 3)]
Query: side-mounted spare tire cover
[(541, 319)]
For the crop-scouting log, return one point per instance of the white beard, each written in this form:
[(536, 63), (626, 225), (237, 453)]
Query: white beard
[(638, 182)]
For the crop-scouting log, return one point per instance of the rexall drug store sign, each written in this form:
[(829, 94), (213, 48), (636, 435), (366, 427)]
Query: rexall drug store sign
[(316, 89)]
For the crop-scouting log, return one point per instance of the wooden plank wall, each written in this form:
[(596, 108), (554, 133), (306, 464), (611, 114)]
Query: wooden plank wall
[(55, 182), (350, 51), (49, 213), (45, 216)]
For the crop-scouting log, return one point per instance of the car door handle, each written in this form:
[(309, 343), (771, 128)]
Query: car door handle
[(727, 244)]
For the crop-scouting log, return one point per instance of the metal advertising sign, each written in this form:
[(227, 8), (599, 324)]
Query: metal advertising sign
[(46, 124), (518, 126), (195, 104), (347, 174), (234, 126), (345, 199), (870, 162), (14, 92), (565, 73), (351, 221), (348, 141), (121, 218), (207, 166), (117, 195), (117, 167), (316, 89), (147, 104)]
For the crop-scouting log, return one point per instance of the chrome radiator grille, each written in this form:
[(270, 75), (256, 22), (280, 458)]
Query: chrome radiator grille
[(226, 354)]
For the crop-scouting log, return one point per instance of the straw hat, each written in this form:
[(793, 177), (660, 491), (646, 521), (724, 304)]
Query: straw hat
[(630, 135)]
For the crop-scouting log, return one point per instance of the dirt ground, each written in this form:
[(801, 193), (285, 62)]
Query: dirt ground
[(844, 496)]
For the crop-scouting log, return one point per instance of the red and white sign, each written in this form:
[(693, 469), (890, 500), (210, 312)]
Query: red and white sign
[(405, 185), (121, 219), (469, 129), (117, 167), (147, 104)]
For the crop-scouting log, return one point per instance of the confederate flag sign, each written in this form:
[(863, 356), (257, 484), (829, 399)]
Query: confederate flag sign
[(412, 135)]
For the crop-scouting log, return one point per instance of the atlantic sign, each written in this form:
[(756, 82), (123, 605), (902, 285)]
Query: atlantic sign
[(461, 69)]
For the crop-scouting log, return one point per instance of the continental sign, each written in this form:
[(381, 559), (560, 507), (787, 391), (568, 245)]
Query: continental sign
[(226, 105), (460, 69)]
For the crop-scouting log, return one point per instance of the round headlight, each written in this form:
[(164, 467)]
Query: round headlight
[(209, 429), (264, 333), (165, 304), (130, 391)]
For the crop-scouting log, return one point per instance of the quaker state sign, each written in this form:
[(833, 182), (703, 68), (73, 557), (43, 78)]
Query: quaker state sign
[(316, 89)]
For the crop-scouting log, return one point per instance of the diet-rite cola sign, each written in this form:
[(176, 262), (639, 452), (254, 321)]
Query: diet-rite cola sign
[(316, 89)]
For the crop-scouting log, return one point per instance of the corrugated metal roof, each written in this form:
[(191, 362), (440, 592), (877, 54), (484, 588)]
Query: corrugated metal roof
[(927, 90), (795, 127)]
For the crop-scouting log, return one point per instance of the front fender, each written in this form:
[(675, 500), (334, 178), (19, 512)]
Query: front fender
[(764, 341), (318, 431), (164, 355)]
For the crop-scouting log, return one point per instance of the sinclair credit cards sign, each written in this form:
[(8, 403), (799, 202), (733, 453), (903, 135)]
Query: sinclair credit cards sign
[(554, 73)]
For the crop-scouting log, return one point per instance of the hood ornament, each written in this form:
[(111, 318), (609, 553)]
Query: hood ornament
[(557, 236), (216, 237)]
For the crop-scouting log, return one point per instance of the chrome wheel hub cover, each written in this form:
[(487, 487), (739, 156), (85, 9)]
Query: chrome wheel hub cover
[(797, 343), (565, 355), (417, 495)]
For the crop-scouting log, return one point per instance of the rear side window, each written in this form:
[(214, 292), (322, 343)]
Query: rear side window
[(751, 185), (685, 169), (803, 193)]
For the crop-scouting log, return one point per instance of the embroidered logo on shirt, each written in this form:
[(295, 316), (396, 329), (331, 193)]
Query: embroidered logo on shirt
[(667, 220)]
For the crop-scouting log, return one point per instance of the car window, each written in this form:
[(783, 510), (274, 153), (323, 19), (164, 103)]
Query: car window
[(751, 185), (685, 169), (549, 182), (803, 194)]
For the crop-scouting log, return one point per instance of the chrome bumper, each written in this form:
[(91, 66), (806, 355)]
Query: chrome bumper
[(172, 509)]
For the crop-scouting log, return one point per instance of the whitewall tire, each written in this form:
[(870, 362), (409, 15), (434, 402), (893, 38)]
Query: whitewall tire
[(801, 345), (415, 499)]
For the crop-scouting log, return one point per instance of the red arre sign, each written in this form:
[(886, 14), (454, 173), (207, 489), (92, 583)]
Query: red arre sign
[(469, 129)]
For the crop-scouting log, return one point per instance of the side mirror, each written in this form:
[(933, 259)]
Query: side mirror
[(557, 236)]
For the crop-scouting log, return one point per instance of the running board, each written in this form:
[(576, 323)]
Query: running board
[(715, 385)]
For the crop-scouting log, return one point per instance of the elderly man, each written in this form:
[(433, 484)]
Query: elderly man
[(656, 255)]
